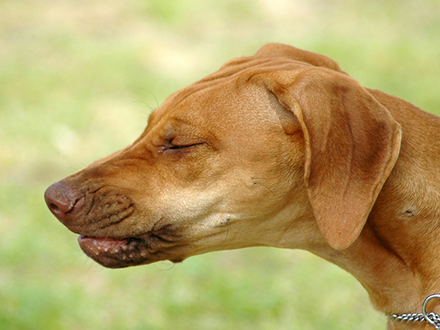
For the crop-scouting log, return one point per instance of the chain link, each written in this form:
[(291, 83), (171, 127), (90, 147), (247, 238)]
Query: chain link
[(419, 317), (431, 317), (435, 318)]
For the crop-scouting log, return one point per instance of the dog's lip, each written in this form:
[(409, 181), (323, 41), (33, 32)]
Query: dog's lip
[(113, 252), (102, 244), (154, 245)]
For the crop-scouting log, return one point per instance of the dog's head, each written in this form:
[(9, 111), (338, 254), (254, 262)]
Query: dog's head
[(281, 148)]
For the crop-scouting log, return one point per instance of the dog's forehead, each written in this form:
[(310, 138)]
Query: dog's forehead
[(229, 90), (218, 107)]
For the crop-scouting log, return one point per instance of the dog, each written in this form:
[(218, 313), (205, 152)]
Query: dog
[(283, 149)]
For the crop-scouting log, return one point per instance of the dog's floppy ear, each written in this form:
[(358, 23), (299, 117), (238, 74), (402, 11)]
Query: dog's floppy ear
[(280, 50), (352, 143)]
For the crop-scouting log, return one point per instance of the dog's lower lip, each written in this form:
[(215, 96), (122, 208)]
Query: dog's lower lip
[(103, 239), (102, 244), (113, 252)]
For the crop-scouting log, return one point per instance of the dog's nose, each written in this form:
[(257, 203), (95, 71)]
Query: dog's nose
[(61, 199)]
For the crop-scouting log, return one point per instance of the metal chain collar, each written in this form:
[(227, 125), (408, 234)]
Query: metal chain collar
[(431, 317)]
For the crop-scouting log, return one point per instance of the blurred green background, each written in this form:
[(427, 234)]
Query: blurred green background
[(78, 80)]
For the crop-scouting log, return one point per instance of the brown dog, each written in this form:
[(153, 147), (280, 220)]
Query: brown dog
[(279, 149)]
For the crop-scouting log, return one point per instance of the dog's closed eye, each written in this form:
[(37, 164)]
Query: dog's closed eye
[(184, 146), (179, 145)]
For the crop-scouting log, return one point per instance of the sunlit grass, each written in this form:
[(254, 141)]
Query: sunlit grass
[(78, 81)]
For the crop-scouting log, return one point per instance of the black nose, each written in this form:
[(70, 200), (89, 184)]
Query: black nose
[(62, 199)]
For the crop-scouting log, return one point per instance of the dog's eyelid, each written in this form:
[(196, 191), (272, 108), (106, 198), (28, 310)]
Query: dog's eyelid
[(184, 140), (177, 146), (179, 143)]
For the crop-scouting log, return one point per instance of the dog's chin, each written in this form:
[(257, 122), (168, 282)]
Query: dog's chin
[(120, 253)]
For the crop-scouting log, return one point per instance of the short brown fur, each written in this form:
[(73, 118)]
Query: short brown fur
[(280, 149)]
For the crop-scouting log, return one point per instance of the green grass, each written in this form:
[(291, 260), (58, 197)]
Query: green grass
[(78, 81)]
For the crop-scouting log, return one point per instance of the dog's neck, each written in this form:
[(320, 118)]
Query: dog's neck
[(396, 256), (395, 285), (390, 282), (394, 260)]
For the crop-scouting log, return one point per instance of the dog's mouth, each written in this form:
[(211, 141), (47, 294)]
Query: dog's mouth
[(132, 251)]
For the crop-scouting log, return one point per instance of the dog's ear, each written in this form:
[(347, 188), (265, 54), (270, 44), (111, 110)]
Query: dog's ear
[(280, 50), (352, 143)]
